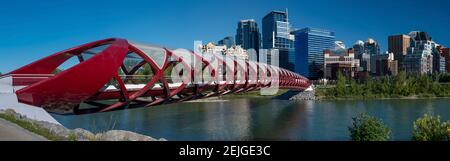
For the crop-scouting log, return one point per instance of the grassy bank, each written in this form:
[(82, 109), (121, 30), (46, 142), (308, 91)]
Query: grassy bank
[(56, 132), (402, 86), (27, 125)]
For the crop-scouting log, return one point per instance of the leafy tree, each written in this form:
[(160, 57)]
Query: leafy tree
[(430, 128), (444, 77), (399, 83), (368, 88), (368, 128), (340, 85), (147, 70), (354, 88)]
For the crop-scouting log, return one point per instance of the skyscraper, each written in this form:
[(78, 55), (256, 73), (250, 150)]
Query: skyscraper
[(227, 41), (446, 53), (399, 44), (438, 59), (372, 48), (276, 35), (247, 35), (364, 59), (419, 59), (358, 47), (309, 46)]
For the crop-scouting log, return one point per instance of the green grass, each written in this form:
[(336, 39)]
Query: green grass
[(31, 127)]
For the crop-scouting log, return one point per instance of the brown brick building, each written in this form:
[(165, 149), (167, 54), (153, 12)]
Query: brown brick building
[(398, 44), (446, 53)]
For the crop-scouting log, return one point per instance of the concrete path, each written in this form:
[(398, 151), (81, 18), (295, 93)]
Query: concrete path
[(12, 132)]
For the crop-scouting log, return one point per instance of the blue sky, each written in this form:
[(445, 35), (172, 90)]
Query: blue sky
[(30, 30)]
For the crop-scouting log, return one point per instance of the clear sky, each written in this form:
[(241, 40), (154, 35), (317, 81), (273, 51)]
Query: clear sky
[(30, 30)]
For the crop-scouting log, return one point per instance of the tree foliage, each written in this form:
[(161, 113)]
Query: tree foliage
[(430, 128), (368, 128), (401, 85)]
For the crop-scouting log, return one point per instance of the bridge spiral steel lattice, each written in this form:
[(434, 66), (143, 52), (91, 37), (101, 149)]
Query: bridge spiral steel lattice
[(114, 74)]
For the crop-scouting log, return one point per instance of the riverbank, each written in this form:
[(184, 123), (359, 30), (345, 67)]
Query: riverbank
[(55, 132), (401, 86), (379, 98), (327, 94), (253, 94)]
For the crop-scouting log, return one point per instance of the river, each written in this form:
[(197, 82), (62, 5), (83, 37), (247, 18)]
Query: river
[(260, 119)]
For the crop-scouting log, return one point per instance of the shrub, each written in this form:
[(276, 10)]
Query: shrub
[(430, 128), (368, 128)]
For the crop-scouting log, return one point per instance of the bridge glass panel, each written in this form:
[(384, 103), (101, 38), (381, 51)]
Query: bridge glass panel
[(157, 54), (87, 54)]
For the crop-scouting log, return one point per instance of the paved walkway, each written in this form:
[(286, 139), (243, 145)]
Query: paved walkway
[(13, 132)]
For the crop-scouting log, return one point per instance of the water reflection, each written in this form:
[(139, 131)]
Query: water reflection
[(259, 119)]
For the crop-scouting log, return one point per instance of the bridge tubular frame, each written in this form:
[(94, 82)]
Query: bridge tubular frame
[(86, 82)]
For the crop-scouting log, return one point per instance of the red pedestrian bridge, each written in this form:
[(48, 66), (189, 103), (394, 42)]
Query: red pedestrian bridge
[(115, 74)]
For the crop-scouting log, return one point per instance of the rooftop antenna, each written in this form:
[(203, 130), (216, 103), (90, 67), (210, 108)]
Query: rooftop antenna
[(287, 15)]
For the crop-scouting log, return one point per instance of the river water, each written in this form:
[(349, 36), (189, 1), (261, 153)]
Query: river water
[(260, 119)]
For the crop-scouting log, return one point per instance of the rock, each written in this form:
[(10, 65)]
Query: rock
[(9, 112), (83, 135), (120, 135), (305, 95), (55, 129), (293, 95)]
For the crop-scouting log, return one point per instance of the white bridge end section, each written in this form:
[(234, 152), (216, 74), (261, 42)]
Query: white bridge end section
[(8, 100)]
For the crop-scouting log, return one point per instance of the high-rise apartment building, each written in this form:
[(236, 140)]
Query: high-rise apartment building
[(419, 59), (446, 53)]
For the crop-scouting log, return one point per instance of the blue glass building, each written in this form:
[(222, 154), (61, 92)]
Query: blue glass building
[(309, 46), (247, 35), (276, 35)]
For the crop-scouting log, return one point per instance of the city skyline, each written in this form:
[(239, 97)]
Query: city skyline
[(56, 26)]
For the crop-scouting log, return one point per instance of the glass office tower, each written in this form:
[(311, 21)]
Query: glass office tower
[(247, 35), (276, 35), (309, 46)]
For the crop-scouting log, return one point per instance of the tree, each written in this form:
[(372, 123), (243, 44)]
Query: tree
[(341, 84), (368, 82), (368, 128), (399, 83), (354, 88), (430, 128), (445, 77)]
